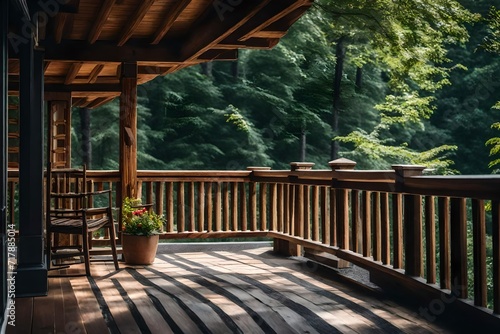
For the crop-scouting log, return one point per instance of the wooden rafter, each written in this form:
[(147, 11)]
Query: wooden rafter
[(99, 102), (217, 54), (135, 21), (273, 13), (60, 23), (46, 66), (170, 16), (79, 101), (95, 73), (102, 17), (72, 73), (152, 70), (213, 29)]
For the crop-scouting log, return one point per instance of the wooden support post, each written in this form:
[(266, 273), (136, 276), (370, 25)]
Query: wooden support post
[(4, 29), (31, 277), (458, 247), (128, 130)]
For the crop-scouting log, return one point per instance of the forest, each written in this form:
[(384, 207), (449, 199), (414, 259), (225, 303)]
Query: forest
[(379, 82)]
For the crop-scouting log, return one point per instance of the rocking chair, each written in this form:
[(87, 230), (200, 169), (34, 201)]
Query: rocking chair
[(70, 211)]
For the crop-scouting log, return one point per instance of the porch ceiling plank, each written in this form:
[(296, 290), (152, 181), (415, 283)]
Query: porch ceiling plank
[(72, 73), (46, 66), (135, 21), (77, 102), (170, 16), (275, 12), (95, 73), (215, 27), (60, 23), (102, 17)]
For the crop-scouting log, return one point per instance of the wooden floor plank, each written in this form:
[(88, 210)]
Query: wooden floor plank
[(249, 291), (89, 307)]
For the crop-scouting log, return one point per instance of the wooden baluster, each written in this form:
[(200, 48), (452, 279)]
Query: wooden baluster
[(160, 189), (12, 194), (291, 209), (413, 235), (281, 207), (181, 218), (495, 217), (356, 222), (191, 221), (325, 217), (306, 226), (201, 207), (273, 207), (209, 207), (479, 249), (385, 228), (234, 206), (377, 226), (263, 206), (315, 213), (286, 209), (298, 230), (430, 238), (170, 206), (243, 207), (149, 192), (459, 247), (252, 199), (342, 197), (397, 230), (218, 206), (225, 206), (444, 243), (367, 224), (333, 217)]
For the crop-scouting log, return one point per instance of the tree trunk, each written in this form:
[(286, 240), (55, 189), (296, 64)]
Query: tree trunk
[(303, 144), (359, 78), (85, 131), (235, 70), (206, 69), (337, 81)]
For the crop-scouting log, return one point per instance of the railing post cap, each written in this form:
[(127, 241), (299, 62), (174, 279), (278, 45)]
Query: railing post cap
[(301, 165), (408, 170), (252, 168), (342, 163)]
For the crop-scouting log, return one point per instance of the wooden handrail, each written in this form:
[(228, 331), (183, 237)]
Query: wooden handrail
[(395, 223)]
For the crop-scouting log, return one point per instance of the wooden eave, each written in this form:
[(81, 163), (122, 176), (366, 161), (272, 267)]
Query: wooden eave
[(86, 40)]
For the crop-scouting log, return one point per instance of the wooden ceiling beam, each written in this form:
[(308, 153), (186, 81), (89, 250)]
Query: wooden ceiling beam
[(84, 88), (135, 21), (102, 17), (252, 43), (170, 16), (95, 73), (105, 51), (152, 70), (60, 23), (275, 11), (220, 55), (72, 73), (215, 27)]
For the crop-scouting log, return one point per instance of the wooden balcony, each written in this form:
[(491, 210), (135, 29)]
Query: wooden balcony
[(411, 232), (215, 290)]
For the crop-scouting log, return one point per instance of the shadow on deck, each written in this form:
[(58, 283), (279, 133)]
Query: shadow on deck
[(213, 289)]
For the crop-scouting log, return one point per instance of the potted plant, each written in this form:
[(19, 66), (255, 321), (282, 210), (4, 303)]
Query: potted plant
[(140, 232)]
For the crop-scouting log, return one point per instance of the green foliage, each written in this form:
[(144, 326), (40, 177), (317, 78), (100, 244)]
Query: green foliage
[(137, 220)]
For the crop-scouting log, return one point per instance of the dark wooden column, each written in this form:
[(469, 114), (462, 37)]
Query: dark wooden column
[(31, 271), (128, 130), (4, 28)]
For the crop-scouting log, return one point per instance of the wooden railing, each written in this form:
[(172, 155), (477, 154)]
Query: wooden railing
[(410, 231)]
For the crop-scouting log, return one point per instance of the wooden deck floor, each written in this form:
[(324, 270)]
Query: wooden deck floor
[(250, 291)]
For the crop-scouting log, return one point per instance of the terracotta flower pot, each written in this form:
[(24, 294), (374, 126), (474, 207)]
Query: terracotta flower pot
[(139, 249)]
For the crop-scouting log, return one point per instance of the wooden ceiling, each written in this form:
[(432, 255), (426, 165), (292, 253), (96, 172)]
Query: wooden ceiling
[(85, 41)]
